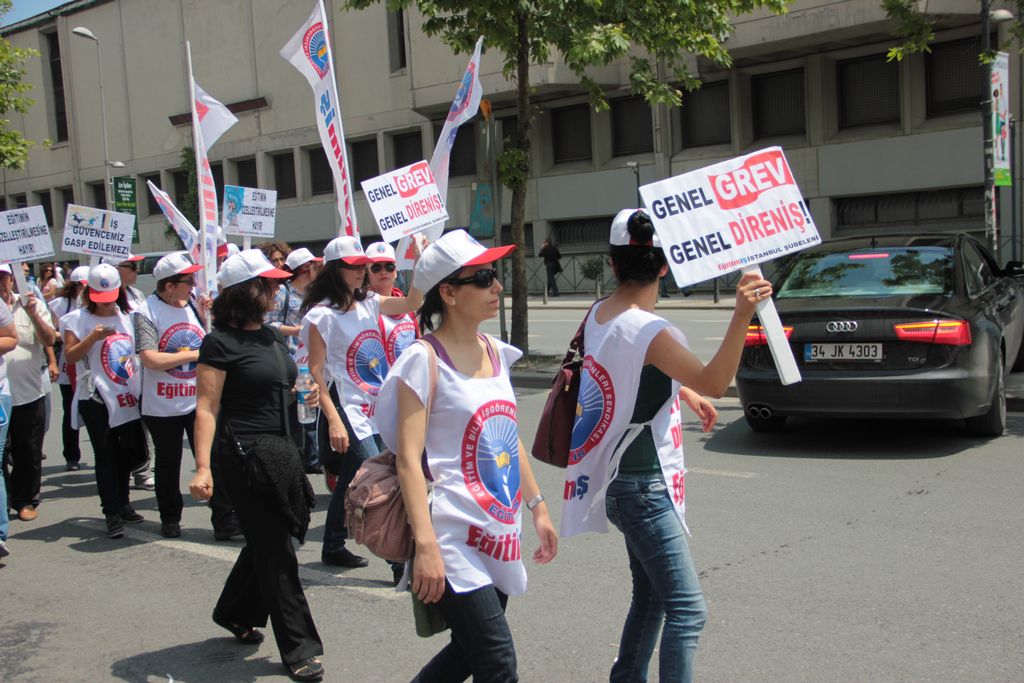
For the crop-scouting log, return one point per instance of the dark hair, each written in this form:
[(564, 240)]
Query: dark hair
[(70, 290), (121, 301), (160, 284), (243, 303), (268, 248), (432, 306), (638, 263), (329, 284)]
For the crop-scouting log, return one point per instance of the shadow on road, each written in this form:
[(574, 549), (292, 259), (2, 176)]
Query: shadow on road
[(211, 660)]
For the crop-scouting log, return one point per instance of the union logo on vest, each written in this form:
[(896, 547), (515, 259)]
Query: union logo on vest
[(402, 335), (594, 410), (366, 361), (490, 460), (116, 356), (181, 337)]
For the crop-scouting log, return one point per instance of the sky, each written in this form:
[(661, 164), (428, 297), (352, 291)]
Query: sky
[(23, 9)]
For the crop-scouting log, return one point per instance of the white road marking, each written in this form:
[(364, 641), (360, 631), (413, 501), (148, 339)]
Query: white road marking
[(723, 473)]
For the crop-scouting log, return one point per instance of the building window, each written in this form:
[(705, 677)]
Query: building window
[(321, 181), (180, 181), (3, 203), (245, 170), (957, 209), (396, 39), (570, 134), (363, 157), (217, 170), (869, 91), (632, 128), (284, 175), (953, 77), (67, 197), (98, 193), (152, 208), (778, 104), (60, 112), (705, 115), (43, 197), (586, 235), (408, 148), (463, 157), (509, 129)]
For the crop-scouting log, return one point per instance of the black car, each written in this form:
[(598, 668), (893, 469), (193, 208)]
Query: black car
[(891, 326)]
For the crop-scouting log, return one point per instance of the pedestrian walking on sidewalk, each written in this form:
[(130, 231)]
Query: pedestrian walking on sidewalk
[(552, 264), (627, 450)]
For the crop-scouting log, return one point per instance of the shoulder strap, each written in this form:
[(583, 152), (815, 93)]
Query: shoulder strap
[(576, 344)]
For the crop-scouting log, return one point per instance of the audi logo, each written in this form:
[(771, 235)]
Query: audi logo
[(841, 326)]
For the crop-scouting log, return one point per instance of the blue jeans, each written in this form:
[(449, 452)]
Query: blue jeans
[(665, 585), (335, 531), (5, 399), (481, 644)]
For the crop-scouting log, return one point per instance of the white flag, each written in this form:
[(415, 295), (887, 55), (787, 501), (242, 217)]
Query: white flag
[(207, 194), (310, 53), (188, 235), (214, 117)]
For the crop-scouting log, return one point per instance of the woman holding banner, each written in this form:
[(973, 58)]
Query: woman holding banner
[(627, 445)]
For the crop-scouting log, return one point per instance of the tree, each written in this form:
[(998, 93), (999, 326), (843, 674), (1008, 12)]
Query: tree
[(655, 36), (13, 145), (916, 28)]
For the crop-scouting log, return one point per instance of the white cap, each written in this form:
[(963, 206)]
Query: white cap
[(115, 261), (80, 274), (620, 232), (381, 252), (245, 265), (299, 257), (231, 249), (347, 249), (175, 263), (104, 283), (6, 268), (453, 251)]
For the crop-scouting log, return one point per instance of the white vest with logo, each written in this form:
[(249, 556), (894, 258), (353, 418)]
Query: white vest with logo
[(112, 364), (398, 333), (61, 306), (167, 393), (472, 449), (602, 431)]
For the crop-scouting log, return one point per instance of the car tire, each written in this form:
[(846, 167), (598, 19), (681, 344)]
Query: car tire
[(1018, 362), (765, 424), (993, 421)]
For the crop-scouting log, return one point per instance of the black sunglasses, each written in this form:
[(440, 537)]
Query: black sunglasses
[(377, 267), (352, 266), (483, 278)]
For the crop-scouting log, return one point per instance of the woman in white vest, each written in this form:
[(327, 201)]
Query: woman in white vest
[(626, 455), (100, 336), (68, 299), (468, 539), (347, 359), (398, 331)]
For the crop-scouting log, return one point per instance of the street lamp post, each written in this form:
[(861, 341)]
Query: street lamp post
[(636, 174), (83, 32)]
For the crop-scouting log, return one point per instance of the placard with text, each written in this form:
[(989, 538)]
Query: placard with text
[(24, 235), (249, 211), (97, 232), (405, 201)]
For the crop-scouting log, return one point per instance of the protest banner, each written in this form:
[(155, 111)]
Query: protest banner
[(98, 233), (24, 235), (309, 51), (188, 235), (731, 216), (249, 211), (405, 201), (1001, 119), (125, 199)]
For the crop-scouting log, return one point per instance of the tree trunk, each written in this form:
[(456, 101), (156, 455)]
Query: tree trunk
[(520, 324)]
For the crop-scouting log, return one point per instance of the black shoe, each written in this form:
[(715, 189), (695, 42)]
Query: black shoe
[(115, 527), (72, 467), (243, 634), (170, 530), (228, 532), (309, 669), (130, 516), (343, 558), (397, 571)]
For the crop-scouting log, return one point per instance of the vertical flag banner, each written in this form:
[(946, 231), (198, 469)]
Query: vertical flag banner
[(188, 235), (310, 53), (1001, 119), (214, 118)]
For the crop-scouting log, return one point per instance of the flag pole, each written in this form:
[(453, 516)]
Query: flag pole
[(195, 155)]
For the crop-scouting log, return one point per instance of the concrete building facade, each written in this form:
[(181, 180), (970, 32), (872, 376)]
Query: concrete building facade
[(873, 144)]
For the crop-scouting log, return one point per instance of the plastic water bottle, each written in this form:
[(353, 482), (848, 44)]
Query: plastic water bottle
[(303, 385)]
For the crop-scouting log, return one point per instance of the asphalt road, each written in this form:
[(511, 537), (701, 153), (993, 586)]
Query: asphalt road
[(833, 551)]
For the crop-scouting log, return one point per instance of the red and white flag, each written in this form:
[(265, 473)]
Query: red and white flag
[(188, 235), (214, 117)]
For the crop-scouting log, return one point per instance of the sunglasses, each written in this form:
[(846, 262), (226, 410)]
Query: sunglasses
[(352, 266), (377, 267), (190, 281), (483, 278), (129, 266)]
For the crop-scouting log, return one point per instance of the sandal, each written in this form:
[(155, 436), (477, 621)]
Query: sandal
[(309, 669), (243, 634)]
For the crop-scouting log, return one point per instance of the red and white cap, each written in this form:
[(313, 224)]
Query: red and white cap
[(619, 236), (347, 249), (80, 274), (300, 257), (115, 261), (175, 263), (245, 265), (104, 283), (380, 252), (452, 252)]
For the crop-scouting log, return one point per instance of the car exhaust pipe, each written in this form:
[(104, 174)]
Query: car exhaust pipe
[(763, 412)]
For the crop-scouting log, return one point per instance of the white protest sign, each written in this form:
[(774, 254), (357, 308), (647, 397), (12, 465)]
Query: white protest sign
[(405, 201), (24, 235), (734, 215), (249, 211), (97, 232)]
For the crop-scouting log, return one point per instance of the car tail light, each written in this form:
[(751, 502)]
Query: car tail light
[(859, 257), (756, 335), (951, 332)]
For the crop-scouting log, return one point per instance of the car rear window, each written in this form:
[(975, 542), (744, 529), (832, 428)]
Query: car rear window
[(870, 272)]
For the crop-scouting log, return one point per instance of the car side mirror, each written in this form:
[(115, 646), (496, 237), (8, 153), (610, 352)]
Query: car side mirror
[(1014, 269)]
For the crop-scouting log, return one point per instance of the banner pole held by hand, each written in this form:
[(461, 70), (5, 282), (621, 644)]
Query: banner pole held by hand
[(782, 353), (19, 277), (247, 242)]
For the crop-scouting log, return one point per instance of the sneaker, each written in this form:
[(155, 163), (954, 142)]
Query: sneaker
[(145, 481), (170, 530), (130, 516), (343, 558), (4, 550), (72, 467), (27, 513), (115, 527), (228, 533)]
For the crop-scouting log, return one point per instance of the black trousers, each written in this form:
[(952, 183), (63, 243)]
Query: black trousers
[(115, 449), (72, 453), (25, 435), (168, 439), (265, 579), (552, 269)]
